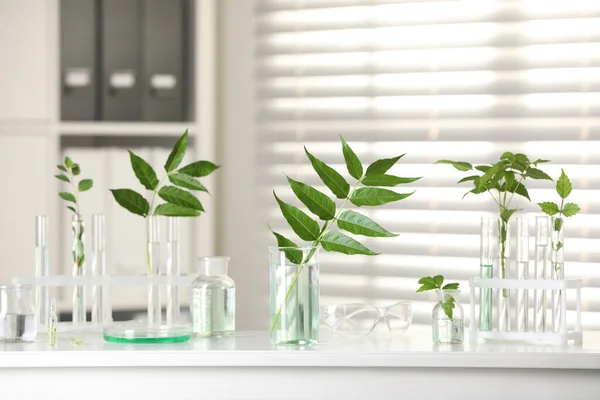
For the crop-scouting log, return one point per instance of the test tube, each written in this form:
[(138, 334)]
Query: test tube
[(486, 267), (540, 271), (522, 272), (173, 269), (101, 311), (42, 268)]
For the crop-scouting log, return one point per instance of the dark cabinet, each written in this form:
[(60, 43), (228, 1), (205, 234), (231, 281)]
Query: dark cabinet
[(124, 60)]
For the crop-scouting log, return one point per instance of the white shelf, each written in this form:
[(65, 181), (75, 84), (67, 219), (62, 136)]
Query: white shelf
[(496, 283), (101, 128)]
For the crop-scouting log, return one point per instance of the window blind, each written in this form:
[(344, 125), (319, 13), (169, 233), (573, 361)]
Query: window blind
[(460, 80)]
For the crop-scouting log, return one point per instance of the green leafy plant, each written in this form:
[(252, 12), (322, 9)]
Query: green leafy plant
[(368, 190), (178, 199), (437, 283), (69, 173), (502, 181), (563, 188)]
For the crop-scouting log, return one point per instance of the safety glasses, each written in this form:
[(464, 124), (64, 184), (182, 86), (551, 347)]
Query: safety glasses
[(356, 319)]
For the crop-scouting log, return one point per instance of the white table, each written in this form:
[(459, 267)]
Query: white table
[(245, 367)]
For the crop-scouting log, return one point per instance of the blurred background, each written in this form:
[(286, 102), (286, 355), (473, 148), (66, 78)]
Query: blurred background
[(254, 81)]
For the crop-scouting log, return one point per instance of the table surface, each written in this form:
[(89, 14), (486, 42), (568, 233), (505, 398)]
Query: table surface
[(252, 349)]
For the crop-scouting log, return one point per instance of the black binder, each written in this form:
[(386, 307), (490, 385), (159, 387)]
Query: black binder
[(120, 60), (78, 59)]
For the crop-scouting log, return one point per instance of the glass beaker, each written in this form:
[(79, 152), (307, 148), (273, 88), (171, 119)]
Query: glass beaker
[(17, 314)]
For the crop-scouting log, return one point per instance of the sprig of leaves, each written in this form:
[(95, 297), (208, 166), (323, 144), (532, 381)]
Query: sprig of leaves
[(563, 188), (178, 199), (437, 283), (366, 191), (502, 181), (69, 173)]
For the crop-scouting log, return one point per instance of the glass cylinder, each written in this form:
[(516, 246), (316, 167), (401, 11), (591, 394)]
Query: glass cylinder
[(78, 229), (503, 272), (212, 305), (486, 267), (173, 269), (101, 310), (42, 268), (153, 263), (522, 272), (448, 328), (294, 295), (18, 322), (542, 237), (557, 271)]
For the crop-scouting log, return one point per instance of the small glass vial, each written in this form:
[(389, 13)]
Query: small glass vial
[(52, 325), (212, 307), (446, 329), (18, 322)]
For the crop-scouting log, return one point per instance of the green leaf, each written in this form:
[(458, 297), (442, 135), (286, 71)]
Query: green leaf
[(451, 286), (174, 210), (330, 177), (438, 279), (317, 202), (304, 226), (540, 161), (78, 253), (558, 224), (559, 246), (85, 184), (535, 173), (487, 176), (68, 162), (199, 169), (507, 213), (353, 164), (521, 162), (468, 178), (295, 256), (483, 168), (62, 177), (549, 208), (570, 209), (186, 181), (506, 155), (72, 209), (75, 170), (427, 279), (143, 171), (376, 197), (563, 185), (359, 224), (180, 197), (509, 179), (67, 196), (131, 201), (459, 165), (338, 242), (62, 168), (519, 188), (177, 153), (425, 287), (386, 180), (383, 165), (448, 305)]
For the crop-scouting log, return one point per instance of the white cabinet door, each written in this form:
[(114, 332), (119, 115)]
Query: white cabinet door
[(23, 195), (24, 60)]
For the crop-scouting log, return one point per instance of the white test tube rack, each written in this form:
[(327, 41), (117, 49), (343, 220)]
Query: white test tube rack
[(562, 335), (104, 281)]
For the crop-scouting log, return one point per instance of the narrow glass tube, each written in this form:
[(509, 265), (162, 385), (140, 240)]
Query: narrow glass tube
[(153, 259), (52, 324), (101, 312), (522, 272), (79, 308), (557, 271), (503, 272), (173, 269), (42, 268), (486, 267), (540, 271)]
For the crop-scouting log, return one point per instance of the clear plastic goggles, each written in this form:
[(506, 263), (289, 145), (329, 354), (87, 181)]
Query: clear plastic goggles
[(356, 319)]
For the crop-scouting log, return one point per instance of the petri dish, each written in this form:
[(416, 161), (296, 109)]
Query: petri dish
[(144, 333)]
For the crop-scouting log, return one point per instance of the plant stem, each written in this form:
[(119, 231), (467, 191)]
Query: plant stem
[(151, 212), (311, 253)]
